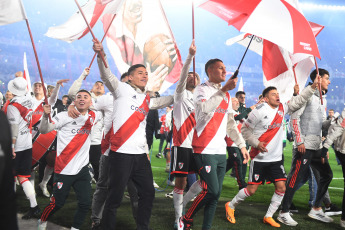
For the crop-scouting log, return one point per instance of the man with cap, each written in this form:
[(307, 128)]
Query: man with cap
[(19, 113)]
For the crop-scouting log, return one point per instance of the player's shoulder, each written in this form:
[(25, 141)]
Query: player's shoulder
[(262, 105)]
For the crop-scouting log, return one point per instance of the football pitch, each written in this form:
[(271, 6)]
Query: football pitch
[(248, 215)]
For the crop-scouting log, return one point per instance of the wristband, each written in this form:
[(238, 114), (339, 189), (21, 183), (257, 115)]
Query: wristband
[(13, 146)]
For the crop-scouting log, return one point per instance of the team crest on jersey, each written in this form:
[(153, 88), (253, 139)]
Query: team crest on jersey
[(256, 177), (305, 161), (208, 169), (180, 165), (235, 154), (59, 185)]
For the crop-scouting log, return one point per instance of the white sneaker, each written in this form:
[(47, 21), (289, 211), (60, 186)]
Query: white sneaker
[(342, 223), (171, 183), (41, 225), (44, 190), (286, 219), (319, 215), (155, 185), (170, 195)]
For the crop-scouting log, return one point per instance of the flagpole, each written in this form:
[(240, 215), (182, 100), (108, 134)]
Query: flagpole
[(93, 35), (238, 68), (105, 34), (317, 71), (38, 65), (294, 73), (193, 31)]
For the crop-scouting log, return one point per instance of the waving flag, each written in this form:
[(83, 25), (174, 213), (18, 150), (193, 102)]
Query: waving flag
[(75, 28), (140, 34), (26, 75), (11, 11)]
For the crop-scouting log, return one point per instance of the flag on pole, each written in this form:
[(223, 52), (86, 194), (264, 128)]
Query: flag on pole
[(140, 34), (26, 75), (240, 85), (76, 28), (11, 11)]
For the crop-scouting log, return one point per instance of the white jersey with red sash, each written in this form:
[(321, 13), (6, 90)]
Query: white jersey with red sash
[(210, 129), (37, 114), (73, 141), (19, 112), (229, 142), (129, 120), (266, 124), (104, 103), (184, 119)]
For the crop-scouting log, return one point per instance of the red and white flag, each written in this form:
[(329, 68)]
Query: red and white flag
[(140, 34), (75, 28), (26, 74), (11, 11)]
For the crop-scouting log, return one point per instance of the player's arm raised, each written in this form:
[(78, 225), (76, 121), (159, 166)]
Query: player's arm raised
[(45, 125)]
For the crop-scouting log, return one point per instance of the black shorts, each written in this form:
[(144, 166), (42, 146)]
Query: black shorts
[(22, 163), (271, 172), (182, 161)]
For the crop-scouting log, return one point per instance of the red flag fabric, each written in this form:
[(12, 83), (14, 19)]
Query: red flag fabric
[(140, 34)]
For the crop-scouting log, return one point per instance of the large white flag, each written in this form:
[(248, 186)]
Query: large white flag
[(11, 11), (140, 34), (75, 28)]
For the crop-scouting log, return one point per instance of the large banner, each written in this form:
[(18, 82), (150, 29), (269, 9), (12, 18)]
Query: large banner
[(140, 34)]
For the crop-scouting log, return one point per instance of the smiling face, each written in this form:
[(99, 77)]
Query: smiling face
[(8, 95), (325, 82), (272, 98), (139, 77), (38, 89), (235, 103), (217, 72), (83, 101)]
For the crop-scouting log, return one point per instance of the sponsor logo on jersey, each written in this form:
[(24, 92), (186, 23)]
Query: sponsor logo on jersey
[(256, 177), (140, 110), (180, 165), (37, 113), (305, 161), (81, 131), (24, 132), (208, 169), (274, 125), (220, 110), (134, 97), (59, 185)]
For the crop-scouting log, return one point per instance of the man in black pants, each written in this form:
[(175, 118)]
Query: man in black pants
[(307, 124)]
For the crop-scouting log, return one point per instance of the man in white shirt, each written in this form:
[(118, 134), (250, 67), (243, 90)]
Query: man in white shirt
[(213, 121), (72, 158), (127, 156)]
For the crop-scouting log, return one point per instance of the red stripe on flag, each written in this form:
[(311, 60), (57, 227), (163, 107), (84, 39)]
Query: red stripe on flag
[(130, 126), (210, 130), (97, 12), (273, 63), (74, 146), (181, 134)]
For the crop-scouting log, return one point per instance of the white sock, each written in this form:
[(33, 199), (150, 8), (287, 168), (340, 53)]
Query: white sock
[(241, 196), (42, 223), (194, 190), (48, 171), (178, 200), (275, 202), (29, 192), (74, 228), (32, 178)]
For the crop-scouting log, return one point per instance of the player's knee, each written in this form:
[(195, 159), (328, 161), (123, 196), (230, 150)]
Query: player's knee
[(251, 190)]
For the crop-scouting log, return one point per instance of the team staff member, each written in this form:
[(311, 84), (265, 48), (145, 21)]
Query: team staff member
[(307, 130), (183, 129), (213, 122), (264, 132), (19, 114), (127, 157), (72, 157)]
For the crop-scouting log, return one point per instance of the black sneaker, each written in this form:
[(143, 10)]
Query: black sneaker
[(159, 155), (33, 212), (96, 226), (333, 210), (293, 208)]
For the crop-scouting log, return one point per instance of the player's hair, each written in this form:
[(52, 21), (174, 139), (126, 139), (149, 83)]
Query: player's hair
[(196, 74), (322, 72), (99, 82), (134, 67), (84, 91), (267, 90), (65, 96), (238, 93), (125, 74), (331, 110), (210, 63)]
